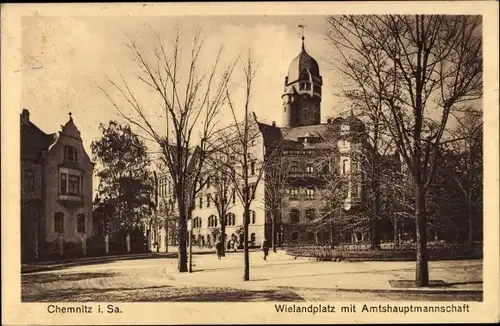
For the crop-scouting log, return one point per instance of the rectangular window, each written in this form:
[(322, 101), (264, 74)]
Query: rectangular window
[(294, 194), (354, 166), (80, 223), (208, 200), (234, 196), (335, 163), (208, 182), (70, 154), (309, 168), (344, 166), (29, 181), (58, 222), (252, 168), (73, 184), (63, 184), (355, 190), (201, 202), (309, 194), (294, 166)]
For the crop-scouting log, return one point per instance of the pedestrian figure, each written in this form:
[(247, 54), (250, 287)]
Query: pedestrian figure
[(218, 247), (265, 249)]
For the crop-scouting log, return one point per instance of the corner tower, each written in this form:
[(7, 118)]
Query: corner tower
[(302, 95)]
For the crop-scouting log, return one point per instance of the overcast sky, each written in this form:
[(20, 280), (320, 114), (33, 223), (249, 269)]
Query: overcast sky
[(72, 56)]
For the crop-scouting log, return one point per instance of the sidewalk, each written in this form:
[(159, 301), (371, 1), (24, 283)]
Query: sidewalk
[(284, 272), (41, 266)]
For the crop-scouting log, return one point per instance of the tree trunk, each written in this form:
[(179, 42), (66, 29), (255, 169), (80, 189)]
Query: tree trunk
[(246, 275), (422, 268), (375, 236), (273, 232), (182, 250), (396, 233), (332, 231), (166, 237), (469, 214), (223, 237)]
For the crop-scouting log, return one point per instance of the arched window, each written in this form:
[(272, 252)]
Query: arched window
[(310, 214), (295, 236), (231, 219), (294, 216), (70, 154), (212, 221), (319, 236), (252, 217)]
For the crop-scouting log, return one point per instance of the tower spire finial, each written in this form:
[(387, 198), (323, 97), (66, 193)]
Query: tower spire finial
[(302, 27)]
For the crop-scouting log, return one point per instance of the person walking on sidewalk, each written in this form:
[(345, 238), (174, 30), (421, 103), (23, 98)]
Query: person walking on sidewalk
[(218, 248), (265, 249)]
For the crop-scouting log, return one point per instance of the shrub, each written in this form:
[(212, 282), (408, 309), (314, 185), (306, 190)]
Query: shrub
[(404, 252)]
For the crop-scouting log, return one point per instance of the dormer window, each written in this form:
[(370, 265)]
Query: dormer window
[(70, 154), (304, 86)]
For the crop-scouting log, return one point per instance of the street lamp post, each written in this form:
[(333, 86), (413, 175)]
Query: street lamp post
[(282, 236), (190, 228)]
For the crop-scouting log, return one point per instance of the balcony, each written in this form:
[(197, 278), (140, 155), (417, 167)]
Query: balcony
[(70, 199), (304, 174)]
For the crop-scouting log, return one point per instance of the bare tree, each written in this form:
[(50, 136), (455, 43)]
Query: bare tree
[(276, 184), (465, 163), (189, 103), (421, 67), (247, 155), (221, 189), (333, 193)]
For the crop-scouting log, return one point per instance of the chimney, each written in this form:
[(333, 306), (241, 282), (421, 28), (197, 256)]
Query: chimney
[(273, 123), (25, 116)]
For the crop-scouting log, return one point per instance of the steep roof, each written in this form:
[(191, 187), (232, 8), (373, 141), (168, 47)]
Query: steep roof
[(271, 134), (34, 141), (300, 63), (323, 132)]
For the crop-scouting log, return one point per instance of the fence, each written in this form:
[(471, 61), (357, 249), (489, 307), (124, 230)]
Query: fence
[(389, 252)]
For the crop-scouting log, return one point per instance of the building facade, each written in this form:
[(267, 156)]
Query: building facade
[(314, 190), (56, 192)]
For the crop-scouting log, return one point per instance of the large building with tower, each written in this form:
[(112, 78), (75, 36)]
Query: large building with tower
[(303, 141)]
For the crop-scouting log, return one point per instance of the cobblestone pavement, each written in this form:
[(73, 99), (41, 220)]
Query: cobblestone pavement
[(282, 278)]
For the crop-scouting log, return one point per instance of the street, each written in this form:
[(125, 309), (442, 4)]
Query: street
[(282, 278)]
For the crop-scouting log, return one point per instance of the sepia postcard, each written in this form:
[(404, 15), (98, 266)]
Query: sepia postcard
[(250, 163)]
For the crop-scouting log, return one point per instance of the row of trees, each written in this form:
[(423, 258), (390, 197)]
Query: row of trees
[(406, 75), (409, 75)]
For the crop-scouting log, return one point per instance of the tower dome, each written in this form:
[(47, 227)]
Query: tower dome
[(302, 94), (300, 63)]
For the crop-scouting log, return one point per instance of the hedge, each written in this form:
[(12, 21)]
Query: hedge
[(403, 253)]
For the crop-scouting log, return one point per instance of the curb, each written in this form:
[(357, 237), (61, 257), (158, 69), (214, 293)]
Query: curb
[(409, 291), (56, 265)]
